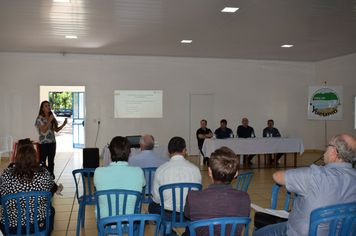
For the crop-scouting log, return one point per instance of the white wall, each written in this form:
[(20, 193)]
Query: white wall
[(258, 90), (337, 71)]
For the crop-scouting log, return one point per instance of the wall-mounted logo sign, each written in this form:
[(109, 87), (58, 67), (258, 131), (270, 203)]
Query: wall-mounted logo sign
[(325, 102)]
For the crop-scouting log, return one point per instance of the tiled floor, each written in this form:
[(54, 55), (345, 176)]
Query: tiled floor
[(67, 206)]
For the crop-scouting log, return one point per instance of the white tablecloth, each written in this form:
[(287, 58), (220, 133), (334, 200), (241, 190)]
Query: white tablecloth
[(255, 145), (162, 151)]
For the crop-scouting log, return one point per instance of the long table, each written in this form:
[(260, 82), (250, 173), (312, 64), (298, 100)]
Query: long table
[(105, 154), (242, 146)]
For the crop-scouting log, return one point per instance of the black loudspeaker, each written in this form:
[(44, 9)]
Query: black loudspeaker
[(90, 157)]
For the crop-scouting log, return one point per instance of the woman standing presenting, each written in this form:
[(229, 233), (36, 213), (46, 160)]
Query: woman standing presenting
[(46, 126)]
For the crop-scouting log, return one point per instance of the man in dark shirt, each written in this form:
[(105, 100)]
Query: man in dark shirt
[(223, 131), (220, 199), (245, 131), (270, 130), (202, 134)]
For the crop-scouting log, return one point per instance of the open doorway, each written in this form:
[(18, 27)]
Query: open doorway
[(68, 137)]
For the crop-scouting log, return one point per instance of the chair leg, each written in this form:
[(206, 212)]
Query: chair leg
[(83, 215), (79, 218), (163, 228)]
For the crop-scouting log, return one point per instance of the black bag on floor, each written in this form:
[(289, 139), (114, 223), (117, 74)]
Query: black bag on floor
[(263, 219)]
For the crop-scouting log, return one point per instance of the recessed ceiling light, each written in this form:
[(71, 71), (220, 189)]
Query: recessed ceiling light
[(229, 9), (287, 46), (60, 0), (71, 37), (186, 41)]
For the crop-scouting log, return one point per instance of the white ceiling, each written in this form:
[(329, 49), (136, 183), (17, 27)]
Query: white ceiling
[(318, 29)]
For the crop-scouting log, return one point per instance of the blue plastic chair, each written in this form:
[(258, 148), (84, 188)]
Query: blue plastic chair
[(149, 174), (175, 189), (223, 222), (340, 217), (15, 198), (87, 198), (113, 199), (289, 196), (132, 221), (244, 180)]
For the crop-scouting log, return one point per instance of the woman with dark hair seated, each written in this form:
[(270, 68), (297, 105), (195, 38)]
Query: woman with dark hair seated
[(24, 176), (22, 142)]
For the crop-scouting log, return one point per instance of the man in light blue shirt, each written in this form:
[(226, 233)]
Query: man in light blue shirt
[(318, 186), (147, 158)]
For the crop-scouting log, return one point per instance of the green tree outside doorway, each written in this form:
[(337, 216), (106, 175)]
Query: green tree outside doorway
[(60, 100)]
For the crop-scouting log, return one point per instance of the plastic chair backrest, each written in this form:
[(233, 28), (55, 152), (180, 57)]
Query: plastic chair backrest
[(45, 196), (132, 221), (149, 174), (275, 190), (86, 173), (337, 219), (244, 180), (113, 199), (180, 187), (5, 144), (223, 222)]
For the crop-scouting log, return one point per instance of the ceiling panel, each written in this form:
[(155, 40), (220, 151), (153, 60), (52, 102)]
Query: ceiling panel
[(318, 29)]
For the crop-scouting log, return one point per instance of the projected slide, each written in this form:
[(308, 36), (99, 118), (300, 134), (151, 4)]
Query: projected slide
[(138, 103)]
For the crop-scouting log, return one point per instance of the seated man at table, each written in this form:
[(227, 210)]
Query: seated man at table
[(202, 134), (317, 186), (177, 170), (275, 133), (220, 199), (246, 131), (223, 131), (119, 175)]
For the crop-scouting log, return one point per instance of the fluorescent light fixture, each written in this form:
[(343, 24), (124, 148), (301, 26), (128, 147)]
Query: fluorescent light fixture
[(229, 9), (287, 46), (60, 0), (71, 37), (186, 41)]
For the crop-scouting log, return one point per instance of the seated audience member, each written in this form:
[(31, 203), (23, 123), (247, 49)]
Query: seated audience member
[(147, 158), (119, 175), (22, 142), (245, 131), (275, 133), (318, 186), (220, 199), (177, 170), (223, 131), (27, 175), (202, 134)]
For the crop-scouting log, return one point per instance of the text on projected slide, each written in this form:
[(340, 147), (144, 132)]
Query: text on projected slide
[(138, 103)]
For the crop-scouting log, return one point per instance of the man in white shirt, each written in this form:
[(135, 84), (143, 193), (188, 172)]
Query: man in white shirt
[(177, 170)]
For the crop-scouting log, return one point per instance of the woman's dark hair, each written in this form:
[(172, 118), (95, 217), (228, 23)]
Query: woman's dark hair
[(23, 142), (26, 163), (120, 149), (41, 113)]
